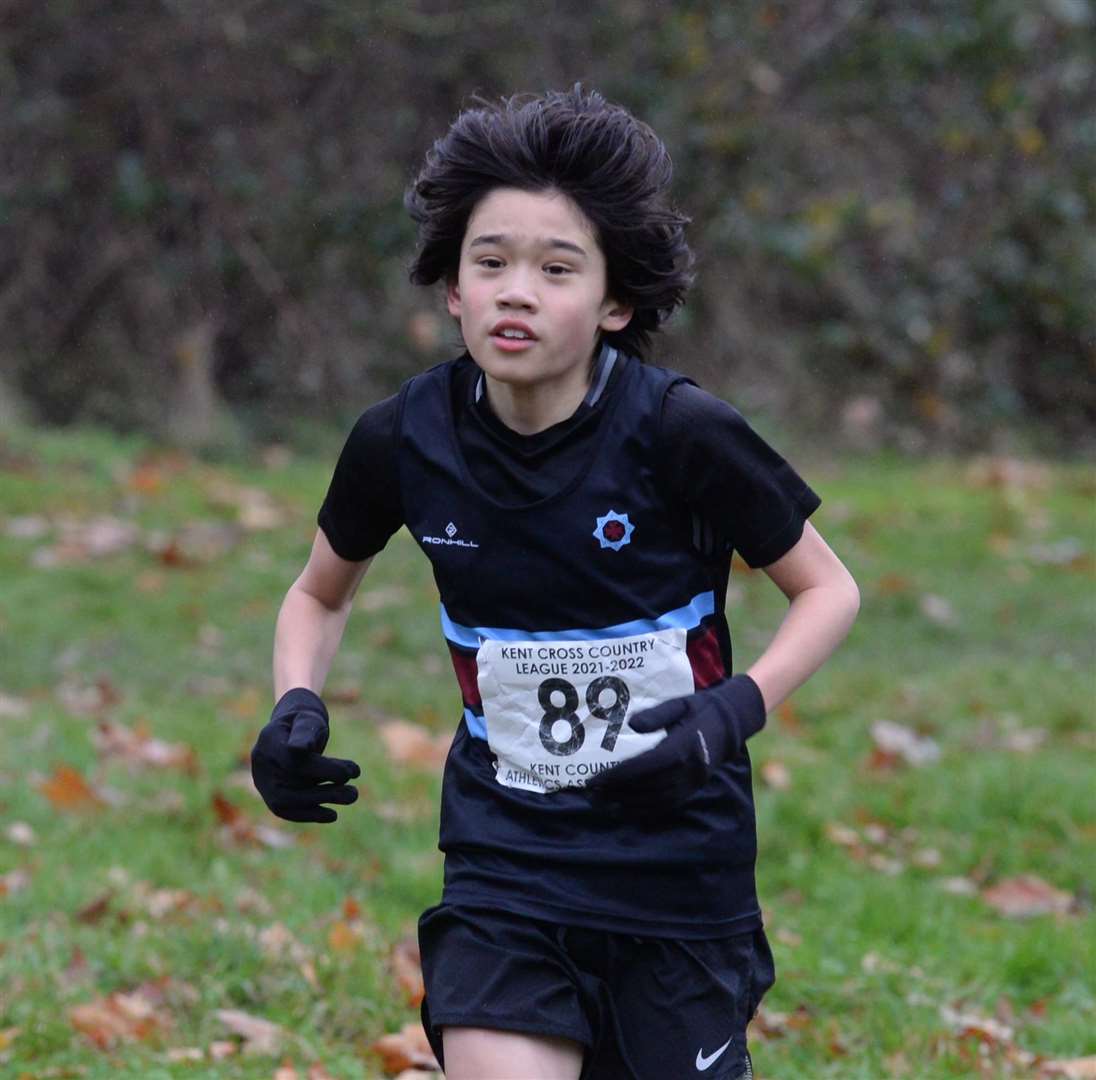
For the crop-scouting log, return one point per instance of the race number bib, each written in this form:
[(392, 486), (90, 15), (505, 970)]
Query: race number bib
[(555, 710)]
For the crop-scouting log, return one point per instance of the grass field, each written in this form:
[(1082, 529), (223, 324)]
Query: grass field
[(928, 920)]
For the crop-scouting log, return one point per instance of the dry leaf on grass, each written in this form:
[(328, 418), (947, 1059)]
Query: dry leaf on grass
[(119, 1017), (407, 1048), (19, 832), (237, 829), (1025, 896), (412, 744), (13, 881), (1073, 1068), (407, 964), (260, 1036), (67, 789), (12, 707), (776, 775), (138, 748), (897, 741)]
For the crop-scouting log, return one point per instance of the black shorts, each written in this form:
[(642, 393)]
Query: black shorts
[(644, 1008)]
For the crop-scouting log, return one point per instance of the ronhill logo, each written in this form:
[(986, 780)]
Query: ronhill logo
[(450, 538)]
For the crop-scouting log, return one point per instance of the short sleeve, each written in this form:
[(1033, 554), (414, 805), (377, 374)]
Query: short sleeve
[(723, 470), (363, 507)]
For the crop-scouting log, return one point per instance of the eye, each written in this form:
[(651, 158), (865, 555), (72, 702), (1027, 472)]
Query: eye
[(557, 269), (490, 262)]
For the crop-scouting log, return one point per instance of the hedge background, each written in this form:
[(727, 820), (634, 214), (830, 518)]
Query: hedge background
[(202, 233)]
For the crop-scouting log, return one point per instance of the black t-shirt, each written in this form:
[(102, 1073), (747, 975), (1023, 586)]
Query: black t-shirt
[(740, 492), (668, 448)]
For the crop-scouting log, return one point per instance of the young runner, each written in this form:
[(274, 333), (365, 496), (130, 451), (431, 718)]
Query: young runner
[(579, 507)]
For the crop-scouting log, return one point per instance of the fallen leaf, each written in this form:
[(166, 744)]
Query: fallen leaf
[(938, 610), (121, 1017), (28, 527), (67, 789), (406, 1049), (407, 964), (13, 708), (788, 714), (343, 937), (894, 585), (259, 1036), (238, 829), (138, 748), (412, 744), (897, 740), (776, 775), (285, 1071), (84, 699), (842, 834), (1025, 896), (19, 832), (985, 1028), (184, 1053), (959, 886), (1073, 1068), (94, 910)]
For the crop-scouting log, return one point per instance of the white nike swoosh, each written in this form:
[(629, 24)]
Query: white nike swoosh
[(703, 1062)]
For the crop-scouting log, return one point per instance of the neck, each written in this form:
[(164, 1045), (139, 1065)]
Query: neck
[(528, 409)]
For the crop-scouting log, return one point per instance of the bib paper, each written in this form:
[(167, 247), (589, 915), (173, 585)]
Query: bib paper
[(556, 711)]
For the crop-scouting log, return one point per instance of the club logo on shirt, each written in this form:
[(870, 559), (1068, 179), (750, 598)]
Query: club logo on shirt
[(614, 530), (450, 539)]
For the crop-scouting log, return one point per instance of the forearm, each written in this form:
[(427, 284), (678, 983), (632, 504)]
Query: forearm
[(306, 638), (817, 621)]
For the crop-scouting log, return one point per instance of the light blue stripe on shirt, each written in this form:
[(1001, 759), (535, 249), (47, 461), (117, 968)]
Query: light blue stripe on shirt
[(684, 618), (477, 726)]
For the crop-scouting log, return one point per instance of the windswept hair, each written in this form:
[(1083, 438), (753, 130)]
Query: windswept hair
[(611, 165)]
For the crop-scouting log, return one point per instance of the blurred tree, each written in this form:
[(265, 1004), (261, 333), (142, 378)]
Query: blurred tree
[(893, 203)]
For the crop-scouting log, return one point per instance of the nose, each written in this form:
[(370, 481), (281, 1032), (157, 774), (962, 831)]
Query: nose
[(516, 292)]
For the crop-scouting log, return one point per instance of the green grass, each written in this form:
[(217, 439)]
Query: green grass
[(865, 958)]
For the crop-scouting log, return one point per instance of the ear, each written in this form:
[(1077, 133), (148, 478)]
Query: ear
[(614, 316), (452, 297)]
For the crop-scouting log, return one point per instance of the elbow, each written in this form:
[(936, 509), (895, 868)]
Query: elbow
[(851, 594)]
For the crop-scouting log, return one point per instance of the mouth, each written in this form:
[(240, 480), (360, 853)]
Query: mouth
[(512, 332)]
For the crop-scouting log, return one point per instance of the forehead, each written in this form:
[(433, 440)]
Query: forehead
[(528, 216)]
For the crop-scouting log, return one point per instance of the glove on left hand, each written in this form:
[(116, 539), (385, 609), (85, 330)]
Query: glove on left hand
[(703, 730), (288, 766)]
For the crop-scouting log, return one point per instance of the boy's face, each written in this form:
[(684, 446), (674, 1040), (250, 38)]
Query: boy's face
[(530, 290)]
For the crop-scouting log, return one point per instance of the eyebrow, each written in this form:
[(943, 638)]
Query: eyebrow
[(491, 239)]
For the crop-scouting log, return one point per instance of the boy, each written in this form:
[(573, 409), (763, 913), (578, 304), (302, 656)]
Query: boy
[(579, 507)]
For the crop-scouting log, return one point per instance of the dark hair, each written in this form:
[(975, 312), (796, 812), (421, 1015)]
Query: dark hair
[(614, 168)]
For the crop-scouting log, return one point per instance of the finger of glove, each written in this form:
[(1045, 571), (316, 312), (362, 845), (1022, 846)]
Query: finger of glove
[(311, 797), (641, 768), (332, 769), (313, 813), (309, 732), (669, 712)]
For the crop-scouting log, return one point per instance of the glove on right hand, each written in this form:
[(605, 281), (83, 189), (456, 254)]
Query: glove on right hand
[(287, 763)]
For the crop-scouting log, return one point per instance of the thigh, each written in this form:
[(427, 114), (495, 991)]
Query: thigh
[(481, 1054), (498, 975), (680, 1008)]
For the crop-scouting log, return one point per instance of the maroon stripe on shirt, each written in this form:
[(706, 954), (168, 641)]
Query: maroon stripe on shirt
[(464, 664), (704, 655)]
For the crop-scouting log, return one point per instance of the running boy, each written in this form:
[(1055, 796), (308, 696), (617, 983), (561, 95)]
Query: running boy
[(579, 507)]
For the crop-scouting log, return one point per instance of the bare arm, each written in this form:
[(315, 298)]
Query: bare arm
[(312, 618), (824, 602)]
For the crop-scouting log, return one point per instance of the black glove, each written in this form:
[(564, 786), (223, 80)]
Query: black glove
[(286, 763), (703, 730)]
